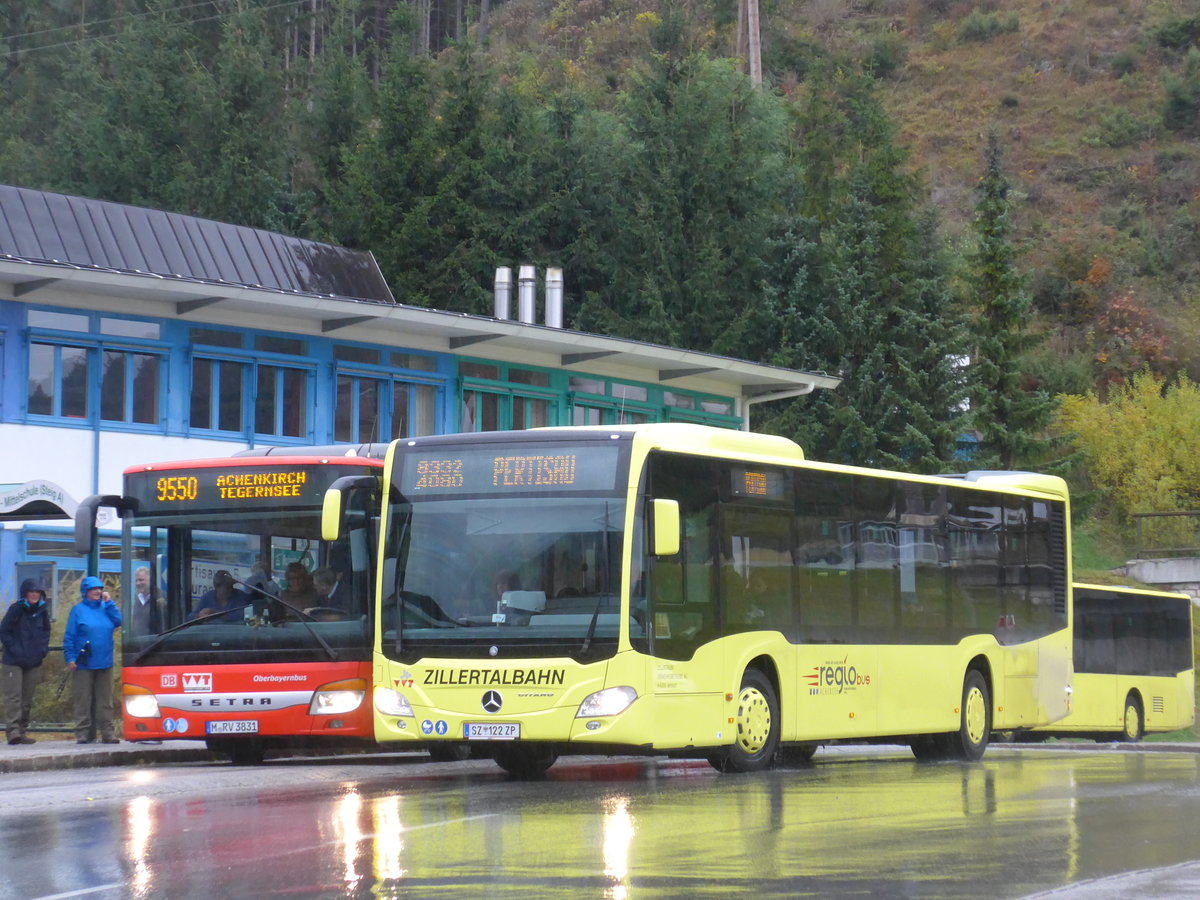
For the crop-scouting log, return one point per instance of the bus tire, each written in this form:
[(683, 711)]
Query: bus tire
[(1133, 724), (797, 755), (245, 753), (525, 760), (756, 728), (927, 748), (449, 752), (975, 719)]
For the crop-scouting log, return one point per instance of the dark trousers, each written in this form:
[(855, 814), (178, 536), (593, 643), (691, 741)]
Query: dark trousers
[(93, 695), (17, 686)]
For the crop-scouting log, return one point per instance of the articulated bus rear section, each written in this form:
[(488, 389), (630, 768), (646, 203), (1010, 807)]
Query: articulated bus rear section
[(680, 589)]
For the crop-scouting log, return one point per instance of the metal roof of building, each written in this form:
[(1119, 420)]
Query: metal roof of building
[(38, 226), (55, 248)]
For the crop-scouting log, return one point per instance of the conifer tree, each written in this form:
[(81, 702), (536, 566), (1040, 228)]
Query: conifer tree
[(875, 302), (1009, 414)]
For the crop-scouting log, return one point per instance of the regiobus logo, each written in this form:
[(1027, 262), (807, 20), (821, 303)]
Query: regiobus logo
[(834, 677)]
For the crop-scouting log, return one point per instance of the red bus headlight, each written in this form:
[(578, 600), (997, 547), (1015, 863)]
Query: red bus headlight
[(338, 697)]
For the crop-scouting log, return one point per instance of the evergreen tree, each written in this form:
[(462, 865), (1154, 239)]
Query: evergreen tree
[(876, 304), (1009, 415), (699, 185)]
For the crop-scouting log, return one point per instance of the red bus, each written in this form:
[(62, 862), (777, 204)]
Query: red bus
[(242, 627)]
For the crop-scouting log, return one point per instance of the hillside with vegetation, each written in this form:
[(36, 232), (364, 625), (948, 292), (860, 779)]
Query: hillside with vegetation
[(968, 210)]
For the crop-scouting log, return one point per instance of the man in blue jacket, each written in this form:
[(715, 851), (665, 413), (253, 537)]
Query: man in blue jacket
[(25, 633), (88, 647)]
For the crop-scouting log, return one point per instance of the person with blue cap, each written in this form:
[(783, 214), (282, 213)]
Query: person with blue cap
[(89, 648)]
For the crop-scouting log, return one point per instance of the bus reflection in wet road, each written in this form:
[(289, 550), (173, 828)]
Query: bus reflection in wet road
[(1016, 824)]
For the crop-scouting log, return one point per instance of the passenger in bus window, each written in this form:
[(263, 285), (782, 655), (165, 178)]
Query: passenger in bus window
[(297, 594), (223, 598), (330, 606), (147, 605), (261, 578)]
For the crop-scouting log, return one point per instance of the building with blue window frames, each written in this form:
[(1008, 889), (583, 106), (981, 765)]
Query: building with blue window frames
[(132, 335)]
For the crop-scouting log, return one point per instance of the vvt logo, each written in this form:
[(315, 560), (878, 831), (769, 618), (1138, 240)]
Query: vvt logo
[(197, 683)]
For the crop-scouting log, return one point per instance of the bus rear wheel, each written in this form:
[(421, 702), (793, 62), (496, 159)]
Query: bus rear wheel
[(975, 719), (1133, 725), (756, 728), (974, 726), (525, 760)]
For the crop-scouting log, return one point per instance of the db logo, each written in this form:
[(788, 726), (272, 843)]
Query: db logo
[(197, 683), (169, 680)]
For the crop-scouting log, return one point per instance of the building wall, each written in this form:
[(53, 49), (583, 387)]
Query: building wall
[(66, 418)]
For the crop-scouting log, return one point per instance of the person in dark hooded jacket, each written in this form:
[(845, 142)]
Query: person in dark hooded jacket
[(25, 633)]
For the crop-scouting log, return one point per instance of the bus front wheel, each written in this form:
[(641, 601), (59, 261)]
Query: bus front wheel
[(1133, 724), (756, 728), (525, 760)]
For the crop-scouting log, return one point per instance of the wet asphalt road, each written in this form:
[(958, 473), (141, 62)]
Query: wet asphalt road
[(860, 822)]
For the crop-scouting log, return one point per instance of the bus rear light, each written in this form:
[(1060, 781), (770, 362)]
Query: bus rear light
[(338, 697), (608, 702), (392, 703), (140, 703)]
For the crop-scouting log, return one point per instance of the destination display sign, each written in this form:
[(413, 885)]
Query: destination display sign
[(233, 487), (496, 469)]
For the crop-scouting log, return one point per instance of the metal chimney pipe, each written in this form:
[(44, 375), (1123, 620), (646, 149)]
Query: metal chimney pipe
[(554, 297), (503, 295), (527, 295)]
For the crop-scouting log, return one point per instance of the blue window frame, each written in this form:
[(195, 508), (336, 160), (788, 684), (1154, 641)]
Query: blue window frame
[(87, 367)]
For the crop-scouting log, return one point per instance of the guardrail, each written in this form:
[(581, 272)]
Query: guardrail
[(1170, 534)]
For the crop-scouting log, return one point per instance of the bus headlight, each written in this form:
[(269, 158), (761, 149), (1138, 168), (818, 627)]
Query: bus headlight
[(392, 703), (608, 702), (338, 697), (140, 703)]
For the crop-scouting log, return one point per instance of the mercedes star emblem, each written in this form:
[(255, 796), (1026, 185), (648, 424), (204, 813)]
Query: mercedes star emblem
[(492, 701)]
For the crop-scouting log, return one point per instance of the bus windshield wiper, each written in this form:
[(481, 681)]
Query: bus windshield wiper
[(170, 631), (304, 620), (587, 641)]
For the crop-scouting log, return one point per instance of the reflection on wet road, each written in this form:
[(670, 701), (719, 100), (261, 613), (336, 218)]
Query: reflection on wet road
[(1019, 823)]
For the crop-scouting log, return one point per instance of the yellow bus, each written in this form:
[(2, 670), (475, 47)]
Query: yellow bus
[(687, 590), (1134, 668)]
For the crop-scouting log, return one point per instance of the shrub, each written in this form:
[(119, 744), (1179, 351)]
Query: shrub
[(1181, 106), (1175, 33), (1118, 128), (887, 54), (1124, 63), (980, 26)]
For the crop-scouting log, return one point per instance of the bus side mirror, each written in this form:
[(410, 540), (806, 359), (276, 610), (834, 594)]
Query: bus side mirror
[(85, 518), (333, 506), (666, 528), (331, 515)]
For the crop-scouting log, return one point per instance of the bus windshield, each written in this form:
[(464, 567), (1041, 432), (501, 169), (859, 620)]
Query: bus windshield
[(537, 575), (248, 586)]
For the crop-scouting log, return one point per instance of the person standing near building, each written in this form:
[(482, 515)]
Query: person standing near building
[(88, 648), (25, 633)]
